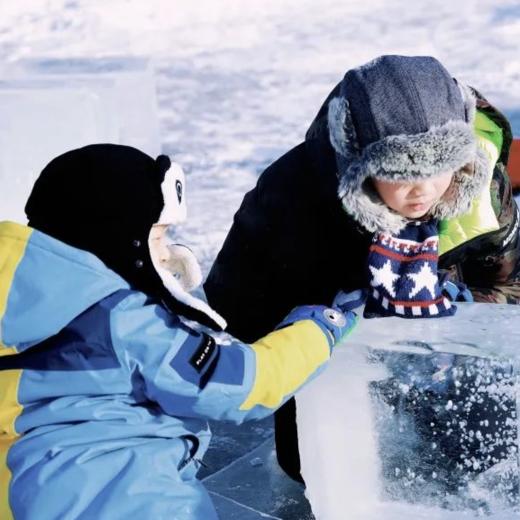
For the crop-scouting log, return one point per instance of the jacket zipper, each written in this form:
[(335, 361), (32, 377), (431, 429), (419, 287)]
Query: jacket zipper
[(192, 445)]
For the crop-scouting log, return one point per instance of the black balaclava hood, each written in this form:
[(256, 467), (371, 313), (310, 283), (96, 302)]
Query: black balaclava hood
[(104, 199)]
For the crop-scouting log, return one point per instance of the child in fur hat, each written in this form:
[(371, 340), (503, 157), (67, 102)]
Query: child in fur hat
[(106, 392), (400, 188), (407, 157)]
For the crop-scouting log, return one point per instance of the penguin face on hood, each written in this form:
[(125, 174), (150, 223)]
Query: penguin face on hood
[(106, 199), (175, 263), (173, 189)]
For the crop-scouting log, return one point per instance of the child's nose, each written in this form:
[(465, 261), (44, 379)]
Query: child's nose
[(420, 189)]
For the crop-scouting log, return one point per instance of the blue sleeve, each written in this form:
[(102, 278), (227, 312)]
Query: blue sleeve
[(190, 374)]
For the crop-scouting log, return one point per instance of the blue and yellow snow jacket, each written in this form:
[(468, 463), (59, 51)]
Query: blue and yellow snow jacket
[(105, 395)]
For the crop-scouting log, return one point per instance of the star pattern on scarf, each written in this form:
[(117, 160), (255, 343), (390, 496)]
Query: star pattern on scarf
[(384, 276), (425, 278)]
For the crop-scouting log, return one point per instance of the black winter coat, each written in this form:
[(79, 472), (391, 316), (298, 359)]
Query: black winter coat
[(292, 244)]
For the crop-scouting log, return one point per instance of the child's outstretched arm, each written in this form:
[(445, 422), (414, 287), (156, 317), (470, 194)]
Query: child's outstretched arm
[(188, 374)]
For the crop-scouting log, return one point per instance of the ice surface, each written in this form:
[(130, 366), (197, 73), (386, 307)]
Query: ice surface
[(49, 106), (402, 424), (125, 84), (477, 329)]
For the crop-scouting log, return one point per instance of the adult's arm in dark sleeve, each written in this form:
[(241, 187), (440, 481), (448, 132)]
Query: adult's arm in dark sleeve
[(260, 270)]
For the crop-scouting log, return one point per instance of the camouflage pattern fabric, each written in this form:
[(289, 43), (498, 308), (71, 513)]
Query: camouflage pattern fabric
[(490, 264)]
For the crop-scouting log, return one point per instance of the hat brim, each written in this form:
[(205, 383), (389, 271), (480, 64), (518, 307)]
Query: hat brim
[(451, 147)]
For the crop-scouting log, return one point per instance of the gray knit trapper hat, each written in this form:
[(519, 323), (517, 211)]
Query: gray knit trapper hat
[(401, 118)]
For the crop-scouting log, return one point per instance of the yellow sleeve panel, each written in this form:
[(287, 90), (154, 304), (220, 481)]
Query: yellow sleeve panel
[(5, 478), (13, 241), (10, 409), (481, 217), (284, 360)]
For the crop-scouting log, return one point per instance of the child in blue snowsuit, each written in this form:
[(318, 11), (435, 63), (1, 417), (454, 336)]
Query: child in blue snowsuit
[(105, 391)]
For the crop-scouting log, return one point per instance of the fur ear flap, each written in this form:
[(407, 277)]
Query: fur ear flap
[(467, 183), (365, 206), (181, 262), (470, 102), (342, 134)]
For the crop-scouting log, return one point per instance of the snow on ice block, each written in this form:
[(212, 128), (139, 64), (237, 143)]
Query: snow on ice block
[(416, 419), (49, 106)]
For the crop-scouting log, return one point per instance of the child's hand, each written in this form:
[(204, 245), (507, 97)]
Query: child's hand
[(351, 300), (456, 291)]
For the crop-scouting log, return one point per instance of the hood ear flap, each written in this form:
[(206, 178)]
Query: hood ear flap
[(365, 206), (467, 183), (178, 270), (182, 262), (470, 102), (358, 199), (190, 306), (191, 311), (342, 133)]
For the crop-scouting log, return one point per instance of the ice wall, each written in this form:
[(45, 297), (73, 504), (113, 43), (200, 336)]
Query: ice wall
[(50, 106), (416, 419)]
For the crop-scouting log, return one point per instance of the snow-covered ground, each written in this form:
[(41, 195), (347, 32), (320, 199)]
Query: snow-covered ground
[(239, 81)]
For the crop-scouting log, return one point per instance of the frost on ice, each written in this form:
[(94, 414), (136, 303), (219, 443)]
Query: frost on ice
[(416, 419)]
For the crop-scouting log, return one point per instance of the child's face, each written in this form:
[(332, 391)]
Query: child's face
[(413, 199)]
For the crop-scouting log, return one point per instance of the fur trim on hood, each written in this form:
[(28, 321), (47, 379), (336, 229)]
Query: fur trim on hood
[(448, 147)]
